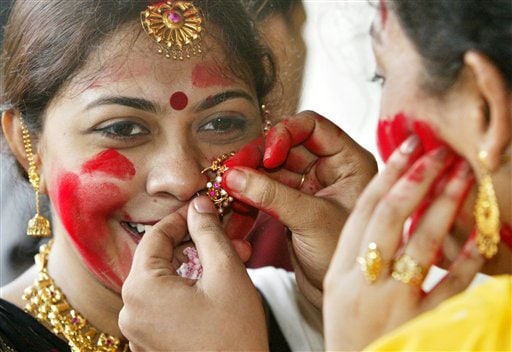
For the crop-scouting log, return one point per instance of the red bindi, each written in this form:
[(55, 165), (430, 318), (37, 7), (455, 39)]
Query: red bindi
[(178, 101)]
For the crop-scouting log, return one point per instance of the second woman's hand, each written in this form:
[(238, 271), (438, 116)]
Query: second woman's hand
[(313, 173)]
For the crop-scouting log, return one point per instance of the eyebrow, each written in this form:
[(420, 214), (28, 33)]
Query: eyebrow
[(217, 99), (136, 103)]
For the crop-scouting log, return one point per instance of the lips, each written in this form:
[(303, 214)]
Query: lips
[(135, 230)]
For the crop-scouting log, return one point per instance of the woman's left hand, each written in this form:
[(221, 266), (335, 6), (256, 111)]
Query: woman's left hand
[(374, 281), (312, 175)]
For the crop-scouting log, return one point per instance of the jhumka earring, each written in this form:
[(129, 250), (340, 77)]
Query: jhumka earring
[(267, 124), (175, 26), (214, 190), (487, 213), (38, 226)]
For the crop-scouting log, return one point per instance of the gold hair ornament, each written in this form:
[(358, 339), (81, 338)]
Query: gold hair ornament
[(38, 226), (175, 26), (218, 195), (486, 212), (49, 305)]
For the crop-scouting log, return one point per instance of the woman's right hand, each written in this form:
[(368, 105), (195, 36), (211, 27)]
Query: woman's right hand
[(163, 311)]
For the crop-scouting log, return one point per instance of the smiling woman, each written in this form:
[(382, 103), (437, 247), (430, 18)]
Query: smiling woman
[(120, 135)]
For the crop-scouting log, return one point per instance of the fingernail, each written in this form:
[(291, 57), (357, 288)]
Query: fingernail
[(410, 145), (203, 205), (235, 180), (440, 153)]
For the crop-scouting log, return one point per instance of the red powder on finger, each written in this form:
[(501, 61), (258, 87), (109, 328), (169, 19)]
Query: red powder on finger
[(178, 101)]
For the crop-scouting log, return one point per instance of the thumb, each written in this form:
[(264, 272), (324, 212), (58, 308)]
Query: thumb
[(217, 255), (156, 249)]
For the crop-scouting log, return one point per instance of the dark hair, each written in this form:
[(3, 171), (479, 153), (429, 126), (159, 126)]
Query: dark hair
[(47, 42), (261, 9), (443, 30)]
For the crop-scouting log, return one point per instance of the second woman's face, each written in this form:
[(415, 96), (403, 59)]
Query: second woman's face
[(123, 146)]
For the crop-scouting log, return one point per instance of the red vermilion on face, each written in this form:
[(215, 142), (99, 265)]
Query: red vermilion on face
[(87, 203), (207, 75)]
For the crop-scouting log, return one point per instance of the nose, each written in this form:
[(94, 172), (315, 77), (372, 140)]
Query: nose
[(176, 172)]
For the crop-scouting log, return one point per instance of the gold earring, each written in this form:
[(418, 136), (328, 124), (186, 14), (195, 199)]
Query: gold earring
[(214, 190), (487, 213), (38, 226), (267, 124)]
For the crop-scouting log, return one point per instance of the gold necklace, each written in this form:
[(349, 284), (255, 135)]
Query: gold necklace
[(49, 305)]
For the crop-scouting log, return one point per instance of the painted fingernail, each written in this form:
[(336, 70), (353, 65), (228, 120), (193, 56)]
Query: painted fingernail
[(235, 180), (203, 205), (410, 145)]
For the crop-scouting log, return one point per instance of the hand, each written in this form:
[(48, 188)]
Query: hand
[(385, 301), (314, 172), (163, 311)]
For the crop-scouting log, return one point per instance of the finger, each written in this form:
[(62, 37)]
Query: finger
[(243, 248), (155, 250), (435, 224), (319, 135), (299, 159), (250, 155), (386, 225), (460, 275), (279, 200), (217, 255)]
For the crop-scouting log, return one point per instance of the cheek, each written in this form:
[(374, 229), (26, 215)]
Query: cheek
[(87, 203)]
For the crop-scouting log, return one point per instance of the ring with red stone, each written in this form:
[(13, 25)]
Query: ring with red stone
[(218, 195)]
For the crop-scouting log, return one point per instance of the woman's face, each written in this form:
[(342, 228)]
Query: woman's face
[(408, 107), (123, 146)]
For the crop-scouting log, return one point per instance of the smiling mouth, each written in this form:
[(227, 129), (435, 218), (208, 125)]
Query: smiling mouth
[(135, 229)]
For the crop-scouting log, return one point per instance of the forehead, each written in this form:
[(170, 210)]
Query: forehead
[(130, 54)]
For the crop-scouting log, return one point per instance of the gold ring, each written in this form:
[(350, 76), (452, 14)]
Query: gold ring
[(371, 263), (303, 178), (408, 271)]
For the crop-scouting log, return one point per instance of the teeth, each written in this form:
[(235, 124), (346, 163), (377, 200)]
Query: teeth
[(141, 228)]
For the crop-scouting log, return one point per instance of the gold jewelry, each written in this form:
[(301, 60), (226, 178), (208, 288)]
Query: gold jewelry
[(302, 179), (371, 264), (49, 305), (486, 212), (175, 26), (38, 226), (406, 269), (214, 190), (267, 123)]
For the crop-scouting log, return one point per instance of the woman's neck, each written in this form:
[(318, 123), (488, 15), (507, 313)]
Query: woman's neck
[(99, 305)]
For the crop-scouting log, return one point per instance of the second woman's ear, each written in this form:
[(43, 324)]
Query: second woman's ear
[(495, 121)]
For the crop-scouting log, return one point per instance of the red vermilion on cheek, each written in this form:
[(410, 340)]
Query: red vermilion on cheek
[(178, 101), (84, 206), (207, 74), (112, 163)]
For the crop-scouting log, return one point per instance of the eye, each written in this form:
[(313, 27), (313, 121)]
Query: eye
[(124, 129), (377, 78), (227, 127), (222, 124)]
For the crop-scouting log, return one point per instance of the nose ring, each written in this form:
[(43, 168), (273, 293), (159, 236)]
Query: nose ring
[(218, 195)]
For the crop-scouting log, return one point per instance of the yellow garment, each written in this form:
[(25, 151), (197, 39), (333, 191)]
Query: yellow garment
[(478, 319)]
